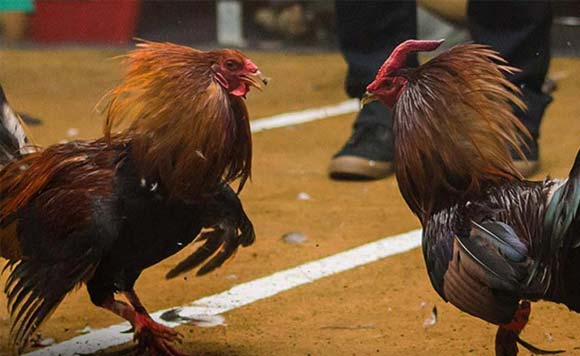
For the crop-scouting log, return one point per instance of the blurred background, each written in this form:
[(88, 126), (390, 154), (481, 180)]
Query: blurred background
[(272, 25)]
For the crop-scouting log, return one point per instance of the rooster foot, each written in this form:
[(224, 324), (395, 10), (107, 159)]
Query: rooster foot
[(157, 339), (508, 335)]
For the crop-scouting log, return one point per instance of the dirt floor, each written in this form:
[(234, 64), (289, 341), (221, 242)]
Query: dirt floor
[(377, 309)]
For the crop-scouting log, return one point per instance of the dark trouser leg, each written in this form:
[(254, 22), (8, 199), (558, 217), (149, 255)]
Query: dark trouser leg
[(367, 32), (520, 31)]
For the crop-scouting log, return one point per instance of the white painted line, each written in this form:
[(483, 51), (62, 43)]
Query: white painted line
[(247, 293), (300, 117)]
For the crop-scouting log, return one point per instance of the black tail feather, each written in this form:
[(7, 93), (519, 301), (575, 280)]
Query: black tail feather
[(563, 214), (34, 290)]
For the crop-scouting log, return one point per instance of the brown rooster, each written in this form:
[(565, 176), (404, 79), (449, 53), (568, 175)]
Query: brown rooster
[(100, 212), (492, 241)]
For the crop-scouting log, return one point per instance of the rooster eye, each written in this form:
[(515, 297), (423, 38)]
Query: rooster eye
[(388, 84), (232, 65)]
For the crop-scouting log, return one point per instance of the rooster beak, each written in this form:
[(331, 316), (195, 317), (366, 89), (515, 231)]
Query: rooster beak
[(367, 98), (257, 79)]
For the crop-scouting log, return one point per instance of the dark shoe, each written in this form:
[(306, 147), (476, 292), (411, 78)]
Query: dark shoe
[(368, 154), (531, 164)]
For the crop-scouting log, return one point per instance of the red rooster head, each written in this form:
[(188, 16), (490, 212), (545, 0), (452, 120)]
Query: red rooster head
[(389, 83), (453, 121), (236, 74), (188, 123)]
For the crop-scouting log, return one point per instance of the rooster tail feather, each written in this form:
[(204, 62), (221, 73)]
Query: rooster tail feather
[(34, 290), (563, 214), (13, 138)]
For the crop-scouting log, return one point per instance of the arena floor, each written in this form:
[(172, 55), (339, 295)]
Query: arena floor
[(377, 309)]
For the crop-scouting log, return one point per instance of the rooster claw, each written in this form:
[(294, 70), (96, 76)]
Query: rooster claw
[(156, 338), (537, 351), (157, 345), (506, 344)]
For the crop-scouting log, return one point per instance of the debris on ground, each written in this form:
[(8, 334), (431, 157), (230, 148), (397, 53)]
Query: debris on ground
[(354, 327), (303, 196), (30, 120), (208, 321), (204, 321), (172, 315), (432, 319), (86, 330), (294, 238), (72, 132), (39, 341)]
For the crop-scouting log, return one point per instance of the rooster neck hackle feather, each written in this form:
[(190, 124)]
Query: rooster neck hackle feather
[(186, 131), (454, 125)]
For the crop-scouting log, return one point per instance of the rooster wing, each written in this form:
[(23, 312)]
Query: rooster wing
[(230, 228)]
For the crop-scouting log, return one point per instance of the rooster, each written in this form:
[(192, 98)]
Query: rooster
[(100, 212), (492, 241)]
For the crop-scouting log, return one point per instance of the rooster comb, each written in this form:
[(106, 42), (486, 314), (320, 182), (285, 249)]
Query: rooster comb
[(399, 55)]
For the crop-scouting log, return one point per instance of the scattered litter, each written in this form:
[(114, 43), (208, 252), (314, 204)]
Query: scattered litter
[(72, 132), (423, 304), (549, 336), (62, 142), (38, 341), (432, 319), (357, 327), (303, 196), (86, 330), (294, 238), (172, 315), (208, 321), (204, 321), (30, 120), (232, 277)]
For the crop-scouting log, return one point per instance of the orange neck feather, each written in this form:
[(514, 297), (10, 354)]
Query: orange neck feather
[(453, 127), (186, 132)]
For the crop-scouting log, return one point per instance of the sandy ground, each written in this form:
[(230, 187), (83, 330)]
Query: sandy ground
[(377, 309)]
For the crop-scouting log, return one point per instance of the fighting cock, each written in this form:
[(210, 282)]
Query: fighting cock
[(492, 241), (100, 212)]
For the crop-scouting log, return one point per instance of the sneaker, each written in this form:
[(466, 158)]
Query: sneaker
[(368, 154)]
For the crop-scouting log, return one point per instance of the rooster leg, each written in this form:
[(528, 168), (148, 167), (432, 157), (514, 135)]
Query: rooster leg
[(508, 335), (160, 330), (151, 336)]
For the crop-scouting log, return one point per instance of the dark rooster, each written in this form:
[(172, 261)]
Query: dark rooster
[(492, 241), (100, 212)]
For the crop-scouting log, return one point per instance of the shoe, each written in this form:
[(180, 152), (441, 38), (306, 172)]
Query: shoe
[(368, 154), (531, 164)]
